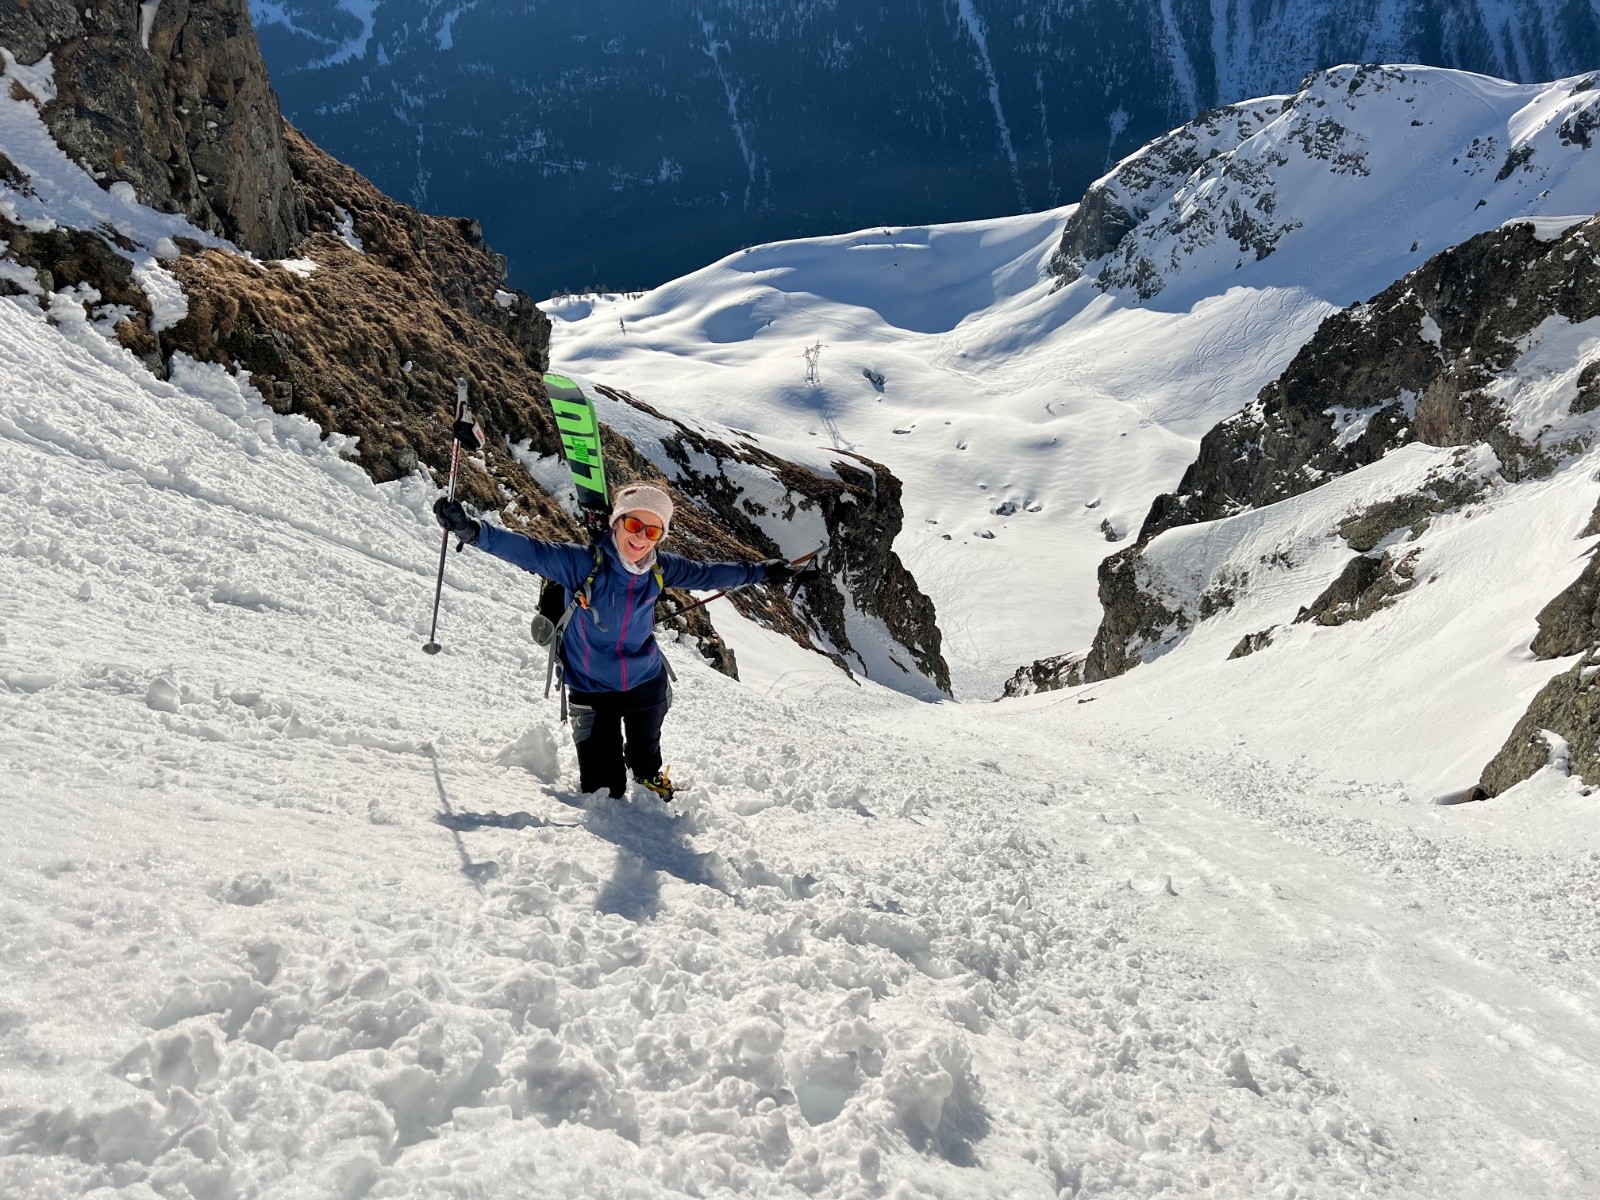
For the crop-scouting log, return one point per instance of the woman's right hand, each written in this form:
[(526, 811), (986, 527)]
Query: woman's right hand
[(453, 517)]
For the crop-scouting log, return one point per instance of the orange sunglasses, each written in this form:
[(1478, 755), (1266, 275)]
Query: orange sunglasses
[(652, 533)]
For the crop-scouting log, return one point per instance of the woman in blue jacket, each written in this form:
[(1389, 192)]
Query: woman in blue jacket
[(618, 688)]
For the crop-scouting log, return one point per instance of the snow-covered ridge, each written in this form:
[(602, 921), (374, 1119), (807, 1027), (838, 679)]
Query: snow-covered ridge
[(816, 116), (1362, 165)]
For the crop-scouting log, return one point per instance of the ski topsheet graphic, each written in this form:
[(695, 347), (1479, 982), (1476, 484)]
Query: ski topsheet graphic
[(580, 440)]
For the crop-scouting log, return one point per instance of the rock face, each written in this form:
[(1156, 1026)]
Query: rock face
[(370, 342), (746, 495), (1420, 362), (1569, 705), (173, 99), (1136, 617), (1366, 586), (1046, 675)]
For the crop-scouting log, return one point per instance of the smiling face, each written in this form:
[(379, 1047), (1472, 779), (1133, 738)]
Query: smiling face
[(633, 544)]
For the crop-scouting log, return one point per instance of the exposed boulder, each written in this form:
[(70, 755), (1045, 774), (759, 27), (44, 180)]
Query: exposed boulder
[(1570, 624), (1136, 617), (1252, 643), (1046, 675), (1366, 586), (1568, 707), (172, 98)]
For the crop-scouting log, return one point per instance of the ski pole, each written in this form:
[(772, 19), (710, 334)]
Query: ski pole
[(795, 562), (431, 646)]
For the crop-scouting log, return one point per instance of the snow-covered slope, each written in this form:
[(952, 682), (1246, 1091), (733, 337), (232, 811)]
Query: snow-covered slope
[(1031, 422), (291, 909)]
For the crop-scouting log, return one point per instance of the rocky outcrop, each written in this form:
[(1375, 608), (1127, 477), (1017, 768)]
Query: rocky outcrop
[(1136, 617), (172, 98), (1412, 512), (1366, 586), (1046, 675), (1569, 705), (370, 341), (1097, 230), (742, 494), (1417, 363), (1252, 643)]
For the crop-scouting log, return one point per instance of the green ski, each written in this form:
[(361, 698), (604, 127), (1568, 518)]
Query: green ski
[(580, 441)]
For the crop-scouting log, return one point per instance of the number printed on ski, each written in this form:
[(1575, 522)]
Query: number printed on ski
[(580, 440)]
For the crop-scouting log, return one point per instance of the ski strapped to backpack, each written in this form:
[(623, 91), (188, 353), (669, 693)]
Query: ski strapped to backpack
[(580, 445)]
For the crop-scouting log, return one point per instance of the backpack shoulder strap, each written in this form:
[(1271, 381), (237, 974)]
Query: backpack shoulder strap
[(580, 599)]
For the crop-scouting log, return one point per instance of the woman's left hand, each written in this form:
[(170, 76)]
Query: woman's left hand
[(781, 572)]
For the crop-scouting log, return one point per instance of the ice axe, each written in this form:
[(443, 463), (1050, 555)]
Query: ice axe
[(464, 431)]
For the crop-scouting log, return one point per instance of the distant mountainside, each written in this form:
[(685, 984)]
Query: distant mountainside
[(624, 144)]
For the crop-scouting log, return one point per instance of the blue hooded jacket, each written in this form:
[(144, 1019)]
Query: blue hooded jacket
[(611, 647)]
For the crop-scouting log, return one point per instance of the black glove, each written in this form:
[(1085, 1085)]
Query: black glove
[(781, 573), (454, 518)]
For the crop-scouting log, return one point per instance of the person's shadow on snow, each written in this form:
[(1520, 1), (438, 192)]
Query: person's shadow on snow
[(649, 844)]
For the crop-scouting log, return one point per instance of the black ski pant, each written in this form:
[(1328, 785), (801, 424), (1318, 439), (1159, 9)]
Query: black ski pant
[(611, 729)]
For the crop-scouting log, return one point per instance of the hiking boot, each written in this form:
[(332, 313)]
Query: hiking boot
[(661, 785)]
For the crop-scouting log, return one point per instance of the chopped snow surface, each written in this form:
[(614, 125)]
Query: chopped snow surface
[(289, 908)]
